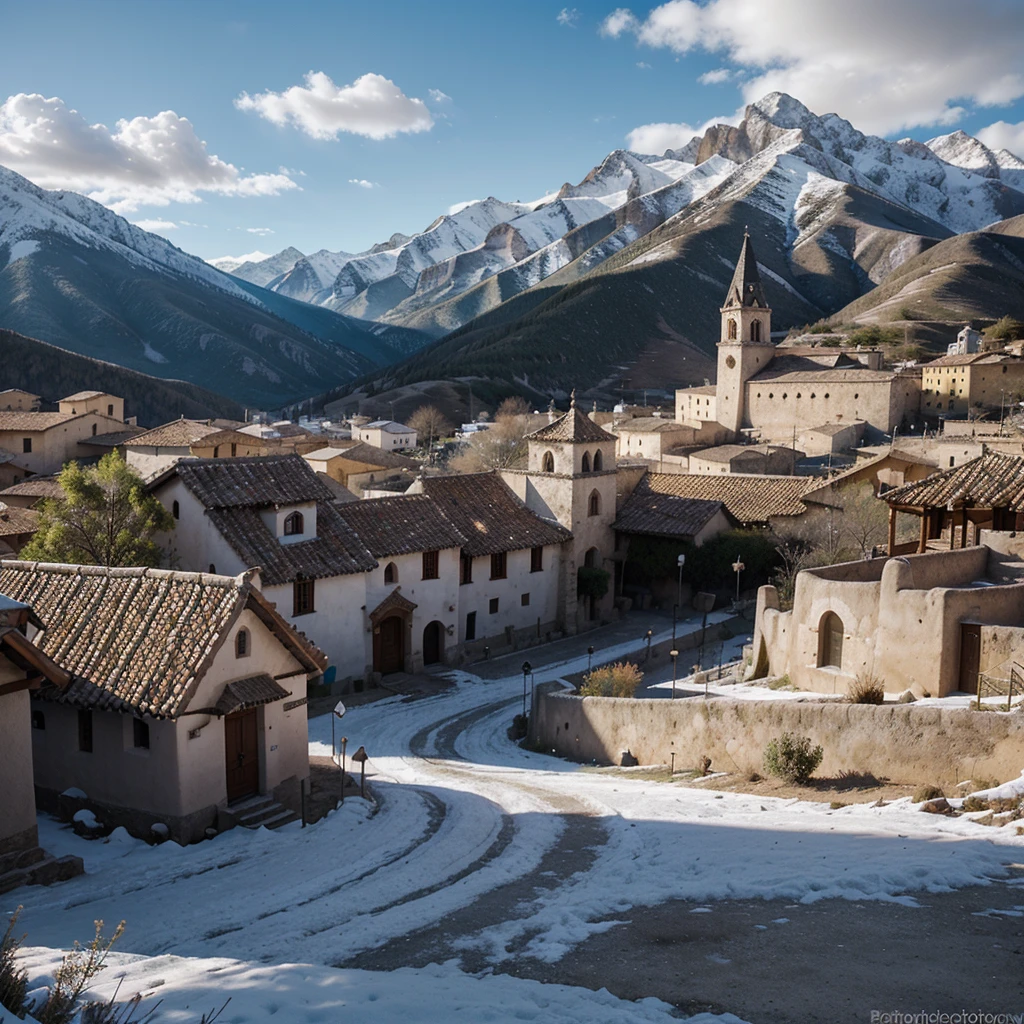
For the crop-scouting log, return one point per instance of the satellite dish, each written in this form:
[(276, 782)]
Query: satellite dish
[(339, 709)]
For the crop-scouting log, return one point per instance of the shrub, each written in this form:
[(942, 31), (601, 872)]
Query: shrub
[(618, 680), (866, 689), (592, 582), (791, 758), (927, 793), (77, 969), (13, 979)]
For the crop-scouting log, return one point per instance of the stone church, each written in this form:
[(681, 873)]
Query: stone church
[(769, 392)]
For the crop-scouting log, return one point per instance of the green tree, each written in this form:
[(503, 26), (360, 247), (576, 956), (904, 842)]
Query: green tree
[(106, 517)]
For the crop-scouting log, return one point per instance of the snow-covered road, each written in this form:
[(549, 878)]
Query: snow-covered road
[(476, 852)]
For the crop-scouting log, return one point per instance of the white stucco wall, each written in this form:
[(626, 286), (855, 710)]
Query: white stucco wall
[(19, 803)]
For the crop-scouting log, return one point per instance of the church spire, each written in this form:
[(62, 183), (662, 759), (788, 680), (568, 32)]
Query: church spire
[(746, 288)]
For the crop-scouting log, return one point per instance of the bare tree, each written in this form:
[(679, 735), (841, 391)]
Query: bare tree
[(430, 424), (501, 446), (864, 518)]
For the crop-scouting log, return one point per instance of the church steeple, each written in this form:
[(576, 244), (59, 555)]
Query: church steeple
[(746, 289)]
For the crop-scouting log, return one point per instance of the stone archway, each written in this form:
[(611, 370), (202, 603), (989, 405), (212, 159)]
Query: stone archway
[(433, 643), (391, 622)]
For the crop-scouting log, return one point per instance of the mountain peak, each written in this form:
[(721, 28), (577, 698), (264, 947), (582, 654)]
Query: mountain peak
[(781, 109), (963, 150)]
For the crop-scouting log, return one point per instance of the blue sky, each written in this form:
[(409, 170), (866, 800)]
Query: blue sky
[(479, 99)]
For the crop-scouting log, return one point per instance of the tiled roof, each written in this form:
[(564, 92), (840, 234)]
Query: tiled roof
[(388, 426), (574, 426), (728, 452), (138, 639), (485, 510), (748, 499), (989, 481), (402, 525), (336, 550), (831, 429), (342, 495), (229, 436), (648, 424), (249, 693), (369, 455), (35, 487), (82, 396), (794, 369), (703, 389), (114, 438), (254, 481), (665, 515), (29, 421), (176, 434), (961, 360), (16, 521), (6, 456)]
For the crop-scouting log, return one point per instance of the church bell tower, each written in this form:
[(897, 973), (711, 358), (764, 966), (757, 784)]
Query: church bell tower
[(745, 346)]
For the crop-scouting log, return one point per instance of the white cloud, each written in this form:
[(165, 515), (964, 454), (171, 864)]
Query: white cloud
[(715, 77), (656, 138), (643, 65), (568, 16), (363, 183), (439, 97), (455, 207), (372, 106), (156, 225), (146, 161), (1002, 135), (262, 232), (884, 66), (619, 21)]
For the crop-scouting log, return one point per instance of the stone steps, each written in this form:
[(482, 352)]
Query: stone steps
[(261, 812), (41, 870)]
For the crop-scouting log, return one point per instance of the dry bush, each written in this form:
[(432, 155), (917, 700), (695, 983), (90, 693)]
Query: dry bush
[(13, 979), (792, 758), (866, 689), (618, 680), (76, 970), (923, 793)]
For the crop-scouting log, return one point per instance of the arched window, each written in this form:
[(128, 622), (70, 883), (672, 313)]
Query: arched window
[(598, 462), (594, 506), (175, 510), (586, 462), (242, 644), (592, 558), (755, 330), (213, 569), (830, 641), (293, 524), (94, 425), (549, 462), (731, 329), (391, 573)]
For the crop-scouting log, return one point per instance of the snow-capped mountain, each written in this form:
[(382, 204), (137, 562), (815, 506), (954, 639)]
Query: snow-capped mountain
[(229, 264), (76, 275), (782, 159)]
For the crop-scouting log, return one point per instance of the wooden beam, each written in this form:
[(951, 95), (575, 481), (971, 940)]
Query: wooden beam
[(892, 531), (922, 546), (16, 686)]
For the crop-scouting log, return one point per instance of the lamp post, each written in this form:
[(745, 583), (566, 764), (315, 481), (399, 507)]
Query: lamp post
[(674, 654), (590, 658), (527, 668), (650, 633), (738, 567), (680, 561)]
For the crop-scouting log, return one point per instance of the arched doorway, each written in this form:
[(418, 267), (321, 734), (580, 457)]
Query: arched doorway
[(390, 645), (433, 643), (830, 641)]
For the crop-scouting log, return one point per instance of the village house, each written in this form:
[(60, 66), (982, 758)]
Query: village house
[(23, 668), (31, 493), (411, 599), (360, 467), (16, 400), (185, 707), (273, 513), (153, 451), (17, 527), (650, 438), (387, 434), (968, 384), (764, 459)]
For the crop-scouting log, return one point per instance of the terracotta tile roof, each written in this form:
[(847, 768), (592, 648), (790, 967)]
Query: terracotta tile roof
[(959, 360), (575, 425), (402, 525), (335, 551), (229, 436), (36, 487), (176, 434), (368, 455), (831, 429), (648, 424), (138, 639), (749, 500), (81, 396), (485, 510), (255, 481), (17, 521), (665, 515), (704, 389), (342, 495), (728, 452), (115, 437), (249, 693), (989, 481), (388, 426), (793, 369), (30, 421)]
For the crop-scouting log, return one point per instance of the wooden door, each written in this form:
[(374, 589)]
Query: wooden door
[(392, 645), (432, 643), (241, 753), (970, 656)]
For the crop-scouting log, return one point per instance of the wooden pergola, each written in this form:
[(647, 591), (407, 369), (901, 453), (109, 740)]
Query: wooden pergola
[(986, 492)]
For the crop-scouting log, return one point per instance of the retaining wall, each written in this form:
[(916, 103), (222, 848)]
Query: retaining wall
[(901, 742)]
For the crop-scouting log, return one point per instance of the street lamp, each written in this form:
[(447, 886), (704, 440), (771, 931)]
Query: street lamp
[(680, 561), (738, 567), (674, 654), (527, 669), (590, 657), (650, 633)]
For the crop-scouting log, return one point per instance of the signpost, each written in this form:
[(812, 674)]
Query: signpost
[(360, 757), (338, 714)]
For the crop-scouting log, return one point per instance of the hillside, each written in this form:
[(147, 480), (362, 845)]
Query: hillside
[(977, 275), (53, 373), (78, 276)]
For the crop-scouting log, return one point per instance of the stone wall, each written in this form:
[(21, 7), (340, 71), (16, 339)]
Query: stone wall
[(904, 743)]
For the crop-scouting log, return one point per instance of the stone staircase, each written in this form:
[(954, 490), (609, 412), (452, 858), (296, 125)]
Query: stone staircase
[(35, 866), (260, 812)]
